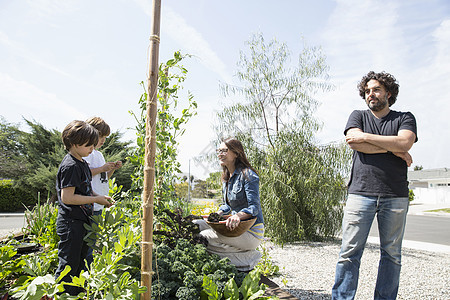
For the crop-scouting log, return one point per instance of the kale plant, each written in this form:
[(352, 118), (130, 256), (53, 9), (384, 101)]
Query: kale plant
[(179, 270), (175, 226)]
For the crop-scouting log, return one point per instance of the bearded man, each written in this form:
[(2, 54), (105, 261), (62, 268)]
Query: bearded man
[(378, 186)]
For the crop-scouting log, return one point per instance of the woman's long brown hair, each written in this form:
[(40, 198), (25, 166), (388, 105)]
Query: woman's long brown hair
[(241, 159)]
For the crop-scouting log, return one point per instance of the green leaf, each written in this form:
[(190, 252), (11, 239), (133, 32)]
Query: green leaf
[(231, 291), (63, 273), (210, 288), (250, 285)]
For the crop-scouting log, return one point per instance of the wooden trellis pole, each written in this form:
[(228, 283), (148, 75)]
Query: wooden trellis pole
[(150, 150)]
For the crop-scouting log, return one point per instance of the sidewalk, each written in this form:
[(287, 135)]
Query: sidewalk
[(424, 209)]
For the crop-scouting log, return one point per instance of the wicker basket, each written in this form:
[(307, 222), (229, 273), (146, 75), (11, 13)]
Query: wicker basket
[(243, 226)]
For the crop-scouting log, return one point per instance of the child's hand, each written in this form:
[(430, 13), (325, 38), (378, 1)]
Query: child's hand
[(117, 165), (105, 200), (109, 166)]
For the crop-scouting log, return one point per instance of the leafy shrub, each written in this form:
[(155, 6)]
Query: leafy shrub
[(411, 195), (41, 224), (116, 225), (266, 266), (8, 266), (249, 290), (179, 271), (11, 198), (174, 226)]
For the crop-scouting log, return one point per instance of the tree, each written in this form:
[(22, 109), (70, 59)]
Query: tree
[(44, 151), (12, 159), (273, 118), (214, 185), (32, 158), (200, 189), (181, 189), (418, 168), (214, 180)]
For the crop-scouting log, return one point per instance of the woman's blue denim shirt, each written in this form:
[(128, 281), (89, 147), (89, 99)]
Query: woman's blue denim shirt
[(243, 194)]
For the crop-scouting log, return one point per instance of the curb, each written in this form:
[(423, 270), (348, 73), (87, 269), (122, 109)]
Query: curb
[(415, 245), (431, 214), (6, 215)]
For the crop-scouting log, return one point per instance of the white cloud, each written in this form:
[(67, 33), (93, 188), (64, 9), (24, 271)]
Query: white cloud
[(194, 43), (367, 35), (442, 39), (21, 99), (45, 8), (428, 91), (190, 39), (22, 51)]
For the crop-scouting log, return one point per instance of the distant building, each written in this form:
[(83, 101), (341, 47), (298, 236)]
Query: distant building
[(430, 186)]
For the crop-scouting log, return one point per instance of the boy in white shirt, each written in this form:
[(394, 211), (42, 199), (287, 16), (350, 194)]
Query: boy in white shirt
[(101, 170)]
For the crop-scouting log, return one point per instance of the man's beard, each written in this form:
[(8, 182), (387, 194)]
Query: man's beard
[(379, 105)]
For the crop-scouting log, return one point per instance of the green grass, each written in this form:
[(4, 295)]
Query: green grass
[(445, 210)]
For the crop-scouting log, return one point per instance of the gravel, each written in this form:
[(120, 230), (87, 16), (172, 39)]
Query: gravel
[(307, 271)]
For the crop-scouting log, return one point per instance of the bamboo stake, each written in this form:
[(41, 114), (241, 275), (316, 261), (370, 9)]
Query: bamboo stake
[(150, 151)]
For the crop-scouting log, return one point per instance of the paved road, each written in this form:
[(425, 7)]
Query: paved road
[(420, 228), (7, 223), (428, 229)]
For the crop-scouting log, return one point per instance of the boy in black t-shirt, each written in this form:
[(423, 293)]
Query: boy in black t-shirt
[(75, 197)]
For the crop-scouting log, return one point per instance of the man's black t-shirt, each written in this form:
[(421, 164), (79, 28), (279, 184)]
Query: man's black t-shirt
[(74, 173), (382, 174)]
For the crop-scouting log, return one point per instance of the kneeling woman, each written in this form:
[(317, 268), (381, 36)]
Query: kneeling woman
[(240, 190)]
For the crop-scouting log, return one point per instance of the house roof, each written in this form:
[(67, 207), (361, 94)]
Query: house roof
[(441, 173)]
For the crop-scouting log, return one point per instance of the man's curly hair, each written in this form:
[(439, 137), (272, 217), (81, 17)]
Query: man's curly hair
[(387, 80)]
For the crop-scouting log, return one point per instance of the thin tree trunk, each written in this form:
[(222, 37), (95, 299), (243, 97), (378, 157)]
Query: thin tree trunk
[(150, 150)]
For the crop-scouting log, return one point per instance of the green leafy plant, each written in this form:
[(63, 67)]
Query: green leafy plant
[(12, 198), (176, 226), (179, 271), (110, 274), (266, 266), (40, 264), (169, 128), (249, 290), (8, 266), (41, 223), (105, 230), (114, 189), (411, 195), (42, 287)]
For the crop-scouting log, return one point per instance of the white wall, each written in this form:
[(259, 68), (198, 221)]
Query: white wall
[(435, 195)]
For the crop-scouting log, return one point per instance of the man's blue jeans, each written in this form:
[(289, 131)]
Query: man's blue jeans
[(359, 213)]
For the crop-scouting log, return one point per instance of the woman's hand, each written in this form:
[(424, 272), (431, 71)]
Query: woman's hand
[(233, 222)]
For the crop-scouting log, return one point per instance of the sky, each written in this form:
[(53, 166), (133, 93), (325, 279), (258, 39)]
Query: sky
[(73, 59)]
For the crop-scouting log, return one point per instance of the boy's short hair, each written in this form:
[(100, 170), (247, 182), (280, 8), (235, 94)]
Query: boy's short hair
[(79, 133), (100, 125)]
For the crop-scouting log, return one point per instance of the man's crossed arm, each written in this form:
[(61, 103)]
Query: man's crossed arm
[(369, 143)]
